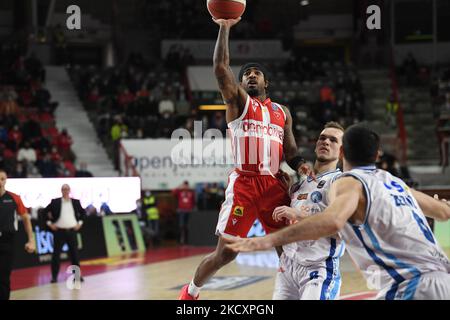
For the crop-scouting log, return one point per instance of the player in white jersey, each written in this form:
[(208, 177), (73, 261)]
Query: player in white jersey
[(309, 270), (382, 222)]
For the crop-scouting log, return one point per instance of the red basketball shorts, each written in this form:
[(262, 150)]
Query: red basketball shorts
[(248, 198)]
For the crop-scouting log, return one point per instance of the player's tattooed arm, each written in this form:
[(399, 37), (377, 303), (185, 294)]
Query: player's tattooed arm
[(289, 144), (233, 94), (290, 149)]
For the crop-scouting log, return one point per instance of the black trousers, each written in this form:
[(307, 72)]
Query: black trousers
[(60, 237), (6, 262)]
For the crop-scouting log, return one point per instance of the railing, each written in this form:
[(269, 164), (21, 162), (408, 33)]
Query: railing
[(400, 119), (126, 166)]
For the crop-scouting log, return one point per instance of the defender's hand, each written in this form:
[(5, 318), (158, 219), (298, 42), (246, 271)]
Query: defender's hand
[(306, 170), (248, 244), (292, 214), (442, 200)]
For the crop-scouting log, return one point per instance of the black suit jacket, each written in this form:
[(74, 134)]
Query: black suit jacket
[(53, 210)]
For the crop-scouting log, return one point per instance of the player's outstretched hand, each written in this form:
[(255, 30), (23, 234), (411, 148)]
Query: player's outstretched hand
[(226, 22), (285, 212), (442, 200), (248, 244), (306, 170)]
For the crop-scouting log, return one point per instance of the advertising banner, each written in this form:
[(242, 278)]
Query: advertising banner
[(164, 164)]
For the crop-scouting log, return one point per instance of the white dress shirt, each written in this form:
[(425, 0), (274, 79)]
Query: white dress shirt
[(67, 218)]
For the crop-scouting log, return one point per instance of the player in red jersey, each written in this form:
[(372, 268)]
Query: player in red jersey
[(261, 132)]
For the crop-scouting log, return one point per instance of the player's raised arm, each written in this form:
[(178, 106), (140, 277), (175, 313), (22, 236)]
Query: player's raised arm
[(233, 94), (433, 208)]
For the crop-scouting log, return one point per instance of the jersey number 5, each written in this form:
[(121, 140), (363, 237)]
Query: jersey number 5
[(426, 231)]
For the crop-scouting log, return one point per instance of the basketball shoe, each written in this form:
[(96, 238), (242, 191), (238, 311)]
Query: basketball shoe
[(184, 294)]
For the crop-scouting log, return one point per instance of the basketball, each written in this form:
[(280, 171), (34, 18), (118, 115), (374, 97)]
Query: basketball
[(226, 9)]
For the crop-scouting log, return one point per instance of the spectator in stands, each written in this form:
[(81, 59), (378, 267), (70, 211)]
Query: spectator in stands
[(83, 171), (410, 69), (8, 101), (64, 142), (166, 104), (93, 99), (118, 130), (31, 129), (42, 99), (187, 59), (34, 173), (26, 153), (173, 58), (55, 155), (59, 42), (391, 111), (388, 162), (150, 208), (443, 134), (47, 168), (328, 101), (125, 99), (142, 101), (14, 138), (20, 170), (216, 194), (186, 203), (34, 67), (218, 122), (3, 133), (105, 210)]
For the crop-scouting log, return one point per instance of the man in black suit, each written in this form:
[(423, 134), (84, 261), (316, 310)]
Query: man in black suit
[(65, 218)]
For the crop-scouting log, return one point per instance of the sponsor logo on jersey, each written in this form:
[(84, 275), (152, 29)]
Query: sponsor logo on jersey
[(238, 211), (321, 184), (274, 107), (260, 129), (234, 221), (316, 197), (302, 196)]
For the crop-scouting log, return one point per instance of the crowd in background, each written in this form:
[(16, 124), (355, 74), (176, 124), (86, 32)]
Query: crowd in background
[(440, 97), (30, 143)]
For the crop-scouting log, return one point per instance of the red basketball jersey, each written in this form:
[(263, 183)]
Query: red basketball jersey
[(257, 137)]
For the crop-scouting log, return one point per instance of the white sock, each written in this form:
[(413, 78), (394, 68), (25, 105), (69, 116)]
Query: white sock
[(193, 290)]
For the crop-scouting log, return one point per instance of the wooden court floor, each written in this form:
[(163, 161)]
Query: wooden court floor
[(161, 280)]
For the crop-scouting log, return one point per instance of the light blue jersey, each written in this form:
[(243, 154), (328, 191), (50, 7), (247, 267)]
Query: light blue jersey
[(394, 246), (319, 273)]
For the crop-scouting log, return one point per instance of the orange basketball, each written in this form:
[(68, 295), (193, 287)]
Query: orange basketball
[(226, 9)]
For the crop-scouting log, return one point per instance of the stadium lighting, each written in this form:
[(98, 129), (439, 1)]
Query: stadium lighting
[(214, 107), (304, 2)]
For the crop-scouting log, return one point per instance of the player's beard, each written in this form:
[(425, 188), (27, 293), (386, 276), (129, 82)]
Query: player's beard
[(254, 92)]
